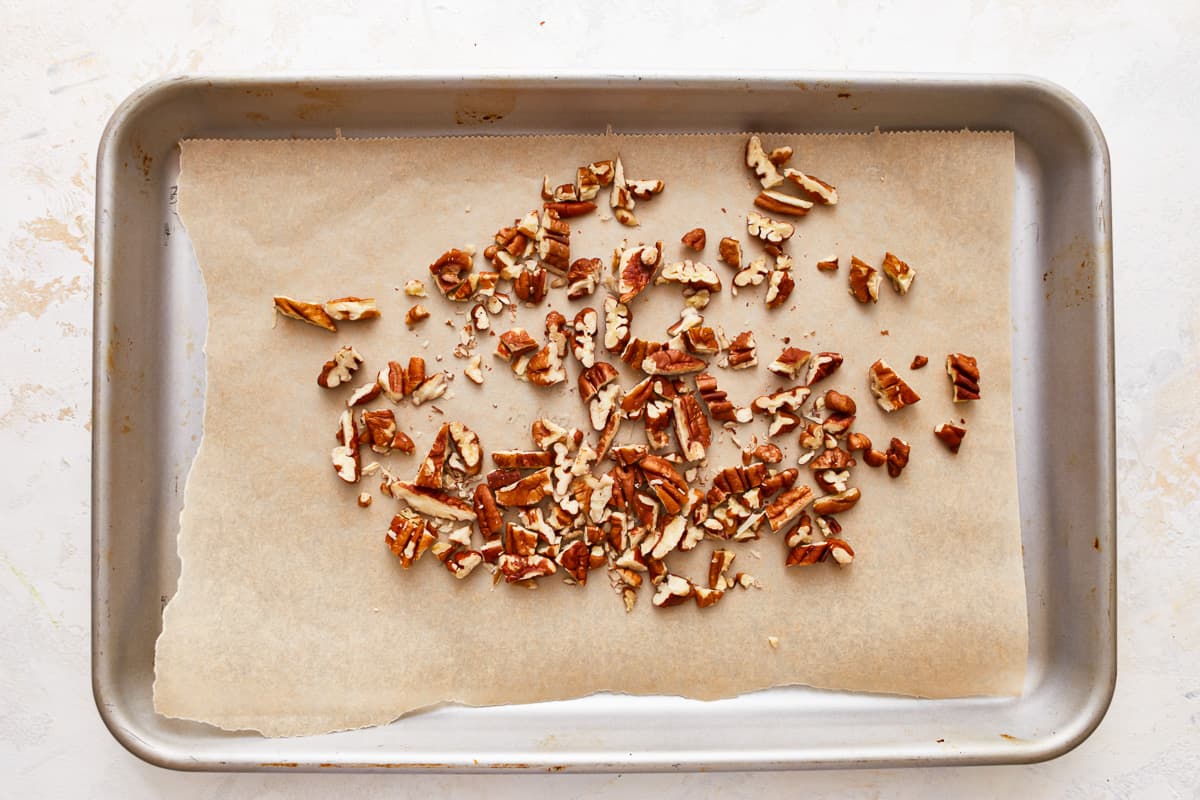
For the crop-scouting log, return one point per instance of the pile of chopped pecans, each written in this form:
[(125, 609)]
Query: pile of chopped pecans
[(576, 501)]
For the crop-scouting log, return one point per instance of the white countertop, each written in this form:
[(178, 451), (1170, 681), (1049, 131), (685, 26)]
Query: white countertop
[(65, 68)]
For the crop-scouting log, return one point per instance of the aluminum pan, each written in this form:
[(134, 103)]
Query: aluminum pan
[(148, 403)]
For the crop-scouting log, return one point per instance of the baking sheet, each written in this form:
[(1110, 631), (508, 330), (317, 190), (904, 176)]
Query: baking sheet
[(291, 616)]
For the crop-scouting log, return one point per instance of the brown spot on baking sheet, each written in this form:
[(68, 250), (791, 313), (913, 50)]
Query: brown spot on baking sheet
[(1096, 543), (483, 107)]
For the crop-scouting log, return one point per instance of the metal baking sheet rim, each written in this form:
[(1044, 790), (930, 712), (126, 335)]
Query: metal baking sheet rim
[(887, 101)]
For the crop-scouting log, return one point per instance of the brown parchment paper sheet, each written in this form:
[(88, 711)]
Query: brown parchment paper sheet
[(291, 616)]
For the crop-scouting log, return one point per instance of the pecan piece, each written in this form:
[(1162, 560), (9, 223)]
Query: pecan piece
[(788, 506), (834, 458), (729, 251), (841, 551), (771, 231), (418, 313), (864, 281), (691, 427), (779, 287), (340, 368), (964, 376), (617, 319), (901, 274), (701, 341), (583, 337), (690, 274), (566, 209), (635, 269), (836, 503), (523, 568), (918, 362), (522, 459), (531, 284), (840, 403), (787, 399), (950, 435), (672, 591), (743, 351), (582, 277), (821, 366), (897, 456), (575, 559), (817, 189), (780, 203), (381, 429), (352, 309), (345, 456), (758, 160), (515, 343), (638, 350), (719, 406), (431, 502), (312, 313), (789, 362), (694, 239), (595, 378), (408, 538), (671, 362), (719, 564), (528, 491), (890, 390), (430, 473), (753, 275), (451, 271), (829, 264)]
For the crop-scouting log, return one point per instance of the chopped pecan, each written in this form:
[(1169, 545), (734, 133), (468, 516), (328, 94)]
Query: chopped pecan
[(836, 503), (840, 403), (417, 313), (575, 559), (635, 269), (837, 424), (918, 362), (545, 368), (758, 160), (466, 443), (430, 473), (620, 198), (719, 406), (634, 401), (364, 499), (531, 284), (701, 340), (833, 458), (515, 343), (779, 288), (351, 309), (874, 458), (743, 351), (345, 456), (719, 564), (901, 274), (566, 209), (821, 366), (340, 368), (528, 491), (522, 568), (788, 506), (617, 319), (777, 202), (707, 597), (363, 394), (783, 421), (391, 380), (638, 350), (964, 376), (671, 362), (583, 338), (766, 453), (381, 429), (522, 459), (858, 441), (499, 478), (807, 553), (595, 378), (645, 189), (735, 480), (582, 277), (451, 271), (694, 239), (950, 435), (462, 563), (488, 516), (817, 189), (312, 313), (672, 591), (408, 538), (897, 456), (657, 424), (431, 502), (431, 388), (691, 427), (414, 288), (474, 369), (753, 275), (607, 435), (789, 399), (829, 264), (554, 241), (729, 250), (790, 362), (780, 155), (768, 230), (890, 390), (691, 274), (864, 281)]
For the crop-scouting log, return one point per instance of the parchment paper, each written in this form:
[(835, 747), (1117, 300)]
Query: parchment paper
[(292, 617)]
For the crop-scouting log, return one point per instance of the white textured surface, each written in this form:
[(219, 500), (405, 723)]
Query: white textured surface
[(66, 67)]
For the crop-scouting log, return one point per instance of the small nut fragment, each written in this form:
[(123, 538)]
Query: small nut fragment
[(451, 271), (783, 421), (841, 551), (743, 351), (582, 277), (466, 443), (617, 319), (414, 288), (671, 362), (566, 209), (950, 435), (829, 264), (695, 239), (514, 344), (752, 275), (340, 369), (364, 499), (781, 203), (312, 313), (821, 366), (840, 403), (858, 441), (897, 456), (416, 314), (595, 378), (780, 155), (645, 189), (918, 362), (635, 269), (516, 568), (890, 390), (351, 309), (790, 362), (758, 160), (779, 288), (874, 458), (431, 388), (768, 230), (729, 250), (528, 491), (817, 189), (380, 427), (964, 376), (583, 338), (691, 427), (788, 506), (901, 274), (864, 281), (706, 597), (346, 463), (691, 274), (836, 503)]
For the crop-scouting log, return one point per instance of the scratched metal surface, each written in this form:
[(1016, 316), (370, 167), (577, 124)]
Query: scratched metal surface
[(148, 370)]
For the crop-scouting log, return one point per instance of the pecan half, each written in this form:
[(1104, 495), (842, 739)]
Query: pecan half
[(531, 284), (890, 390), (964, 376), (312, 313)]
